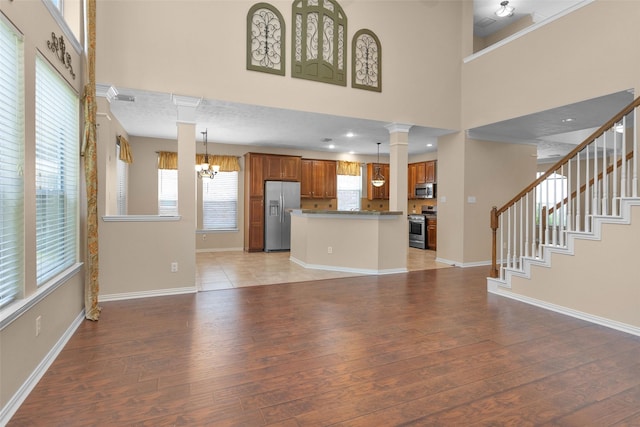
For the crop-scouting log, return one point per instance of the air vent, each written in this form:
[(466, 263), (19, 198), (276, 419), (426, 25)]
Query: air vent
[(126, 98), (484, 22)]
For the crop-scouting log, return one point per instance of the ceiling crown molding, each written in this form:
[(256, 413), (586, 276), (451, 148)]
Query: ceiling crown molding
[(106, 91), (186, 107), (398, 127)]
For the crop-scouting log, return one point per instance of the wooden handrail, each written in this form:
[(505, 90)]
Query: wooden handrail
[(608, 125), (629, 156), (495, 213)]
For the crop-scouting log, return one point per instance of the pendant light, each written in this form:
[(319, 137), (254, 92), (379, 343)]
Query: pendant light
[(204, 169), (378, 178)]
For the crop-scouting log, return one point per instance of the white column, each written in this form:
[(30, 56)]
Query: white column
[(187, 180), (398, 166)]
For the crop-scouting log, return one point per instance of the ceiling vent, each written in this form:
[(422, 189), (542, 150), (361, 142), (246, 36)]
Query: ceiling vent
[(484, 22), (126, 98)]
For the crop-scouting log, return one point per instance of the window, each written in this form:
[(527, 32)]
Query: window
[(168, 192), (57, 154), (319, 49), (220, 202), (122, 170), (265, 39), (11, 162), (549, 194), (349, 192)]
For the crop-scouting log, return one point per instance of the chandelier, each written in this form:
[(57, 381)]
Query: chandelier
[(204, 169), (378, 178)]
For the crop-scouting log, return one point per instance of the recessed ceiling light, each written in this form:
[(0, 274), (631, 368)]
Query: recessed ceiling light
[(352, 152), (331, 146), (429, 145), (350, 134), (567, 120)]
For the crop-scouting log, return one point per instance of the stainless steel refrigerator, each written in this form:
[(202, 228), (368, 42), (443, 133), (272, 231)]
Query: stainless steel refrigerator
[(279, 196)]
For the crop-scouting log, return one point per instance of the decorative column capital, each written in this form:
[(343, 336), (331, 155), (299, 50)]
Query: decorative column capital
[(398, 127), (186, 107)]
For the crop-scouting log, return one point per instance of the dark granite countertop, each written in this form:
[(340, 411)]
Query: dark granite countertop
[(332, 212)]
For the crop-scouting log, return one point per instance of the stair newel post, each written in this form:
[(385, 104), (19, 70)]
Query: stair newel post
[(494, 248)]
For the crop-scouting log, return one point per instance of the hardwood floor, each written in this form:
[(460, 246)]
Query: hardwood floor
[(423, 348)]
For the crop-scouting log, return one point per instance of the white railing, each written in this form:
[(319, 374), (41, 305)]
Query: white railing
[(588, 182)]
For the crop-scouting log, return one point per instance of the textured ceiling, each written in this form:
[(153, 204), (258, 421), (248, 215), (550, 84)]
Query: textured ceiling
[(485, 21)]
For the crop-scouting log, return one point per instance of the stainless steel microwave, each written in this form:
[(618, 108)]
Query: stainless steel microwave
[(425, 191)]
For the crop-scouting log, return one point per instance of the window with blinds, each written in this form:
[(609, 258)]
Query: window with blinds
[(57, 159), (220, 202), (168, 192), (349, 192), (122, 170), (11, 163)]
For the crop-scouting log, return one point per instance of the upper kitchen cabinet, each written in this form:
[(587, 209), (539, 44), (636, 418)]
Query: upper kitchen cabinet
[(319, 179), (282, 168), (411, 180), (374, 193), (430, 171)]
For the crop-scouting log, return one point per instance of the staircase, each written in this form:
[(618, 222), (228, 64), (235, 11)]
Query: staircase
[(568, 241)]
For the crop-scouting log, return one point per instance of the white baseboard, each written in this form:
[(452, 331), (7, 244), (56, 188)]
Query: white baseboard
[(23, 392), (348, 270), (463, 264), (207, 250), (148, 294), (609, 323)]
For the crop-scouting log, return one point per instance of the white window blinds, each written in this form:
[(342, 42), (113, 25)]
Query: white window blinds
[(220, 202), (11, 163), (57, 159), (168, 192), (122, 170)]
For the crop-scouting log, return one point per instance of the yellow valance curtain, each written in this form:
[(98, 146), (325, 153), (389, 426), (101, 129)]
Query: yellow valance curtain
[(167, 160), (125, 150), (348, 168), (226, 163)]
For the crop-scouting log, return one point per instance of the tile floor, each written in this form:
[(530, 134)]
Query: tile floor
[(224, 270)]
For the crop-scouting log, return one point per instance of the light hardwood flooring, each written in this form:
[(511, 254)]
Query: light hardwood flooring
[(236, 269)]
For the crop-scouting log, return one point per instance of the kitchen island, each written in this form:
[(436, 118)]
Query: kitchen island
[(365, 242)]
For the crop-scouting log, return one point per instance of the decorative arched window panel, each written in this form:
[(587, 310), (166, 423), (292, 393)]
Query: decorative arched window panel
[(265, 39), (319, 49), (366, 62)]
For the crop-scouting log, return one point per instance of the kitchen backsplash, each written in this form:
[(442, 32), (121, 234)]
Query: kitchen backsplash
[(374, 205)]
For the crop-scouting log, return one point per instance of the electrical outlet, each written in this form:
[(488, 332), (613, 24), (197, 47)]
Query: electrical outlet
[(204, 237), (38, 325), (329, 250), (174, 267)]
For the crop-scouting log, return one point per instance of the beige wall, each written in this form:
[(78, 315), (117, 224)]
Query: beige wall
[(21, 351), (197, 48), (601, 279), (565, 61)]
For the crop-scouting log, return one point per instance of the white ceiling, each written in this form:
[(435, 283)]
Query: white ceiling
[(485, 21), (153, 114)]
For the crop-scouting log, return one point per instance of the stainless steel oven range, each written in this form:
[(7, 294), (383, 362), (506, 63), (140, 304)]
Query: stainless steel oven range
[(418, 231)]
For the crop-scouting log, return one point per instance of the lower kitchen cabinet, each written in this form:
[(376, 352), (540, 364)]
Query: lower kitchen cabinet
[(432, 231)]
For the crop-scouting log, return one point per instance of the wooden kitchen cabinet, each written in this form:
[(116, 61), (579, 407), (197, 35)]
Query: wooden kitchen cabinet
[(432, 233), (430, 171), (258, 169), (255, 171), (282, 168), (319, 179), (377, 192), (421, 172), (411, 180)]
